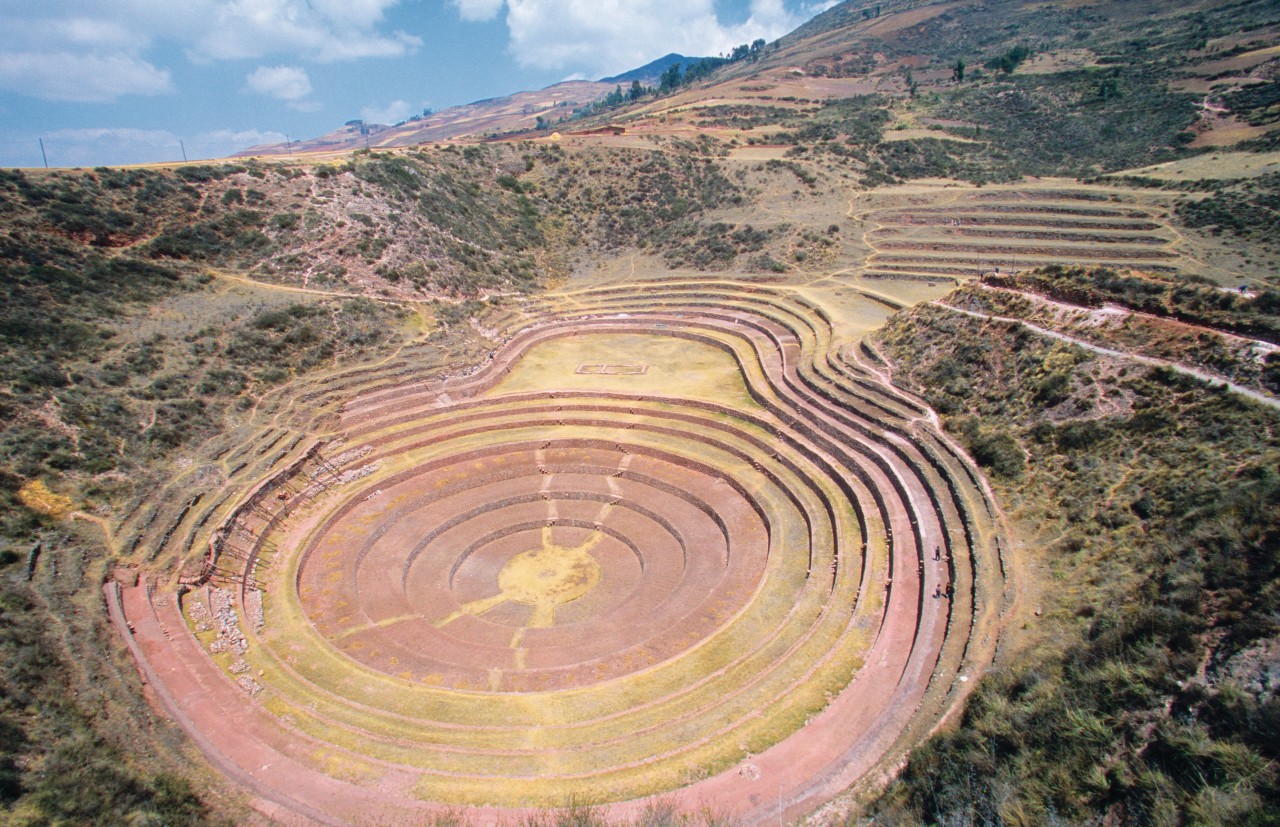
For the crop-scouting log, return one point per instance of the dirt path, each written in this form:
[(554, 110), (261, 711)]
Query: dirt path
[(286, 288), (1120, 354), (102, 523), (1111, 309)]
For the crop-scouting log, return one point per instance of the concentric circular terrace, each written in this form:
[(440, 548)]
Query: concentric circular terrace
[(666, 541)]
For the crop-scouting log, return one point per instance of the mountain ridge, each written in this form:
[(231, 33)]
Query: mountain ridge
[(506, 113), (652, 71)]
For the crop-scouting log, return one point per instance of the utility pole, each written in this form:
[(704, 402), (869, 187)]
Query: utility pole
[(42, 155), (184, 150), (288, 143)]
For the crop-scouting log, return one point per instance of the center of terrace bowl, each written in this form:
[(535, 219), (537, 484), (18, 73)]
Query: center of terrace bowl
[(550, 576), (527, 566)]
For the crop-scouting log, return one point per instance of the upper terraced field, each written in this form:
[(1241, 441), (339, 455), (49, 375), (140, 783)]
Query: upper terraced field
[(672, 541), (1014, 229)]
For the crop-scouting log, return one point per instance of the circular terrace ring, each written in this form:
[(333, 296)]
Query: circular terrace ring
[(528, 592), (604, 588), (530, 566)]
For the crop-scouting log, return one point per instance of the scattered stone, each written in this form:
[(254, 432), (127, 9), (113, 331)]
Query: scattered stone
[(227, 623), (199, 614), (351, 455), (359, 473), (253, 608), (249, 685), (1255, 669)]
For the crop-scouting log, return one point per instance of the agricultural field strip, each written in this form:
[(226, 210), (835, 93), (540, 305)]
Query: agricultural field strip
[(1004, 231)]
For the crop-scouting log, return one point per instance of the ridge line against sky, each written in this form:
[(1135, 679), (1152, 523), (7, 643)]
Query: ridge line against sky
[(106, 82)]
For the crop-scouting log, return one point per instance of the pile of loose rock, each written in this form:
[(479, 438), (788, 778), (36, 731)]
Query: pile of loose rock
[(199, 614), (351, 455), (359, 473), (227, 623), (253, 608), (249, 685)]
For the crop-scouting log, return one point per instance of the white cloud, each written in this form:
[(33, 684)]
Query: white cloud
[(80, 78), (89, 33), (393, 112), (603, 38), (323, 30), (222, 142), (111, 146), (478, 10), (75, 57), (286, 83), (91, 51)]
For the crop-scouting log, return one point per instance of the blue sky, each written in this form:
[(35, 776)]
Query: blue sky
[(131, 81)]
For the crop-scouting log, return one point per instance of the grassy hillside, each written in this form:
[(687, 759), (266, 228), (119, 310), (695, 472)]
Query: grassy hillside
[(115, 357), (1151, 507), (995, 91)]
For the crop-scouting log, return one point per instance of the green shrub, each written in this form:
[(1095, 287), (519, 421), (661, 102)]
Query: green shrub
[(1000, 453)]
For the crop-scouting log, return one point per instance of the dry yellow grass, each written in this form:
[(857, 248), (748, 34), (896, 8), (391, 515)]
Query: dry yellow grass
[(37, 496), (1214, 165), (671, 367)]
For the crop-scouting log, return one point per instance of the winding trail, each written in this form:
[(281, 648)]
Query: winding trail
[(1177, 367)]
